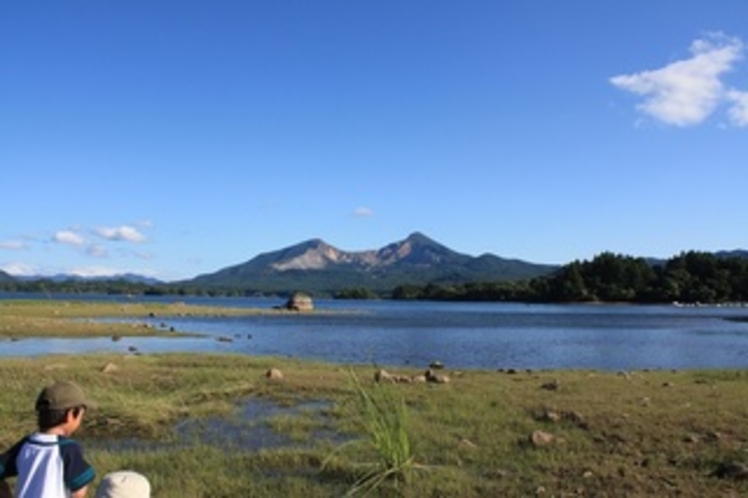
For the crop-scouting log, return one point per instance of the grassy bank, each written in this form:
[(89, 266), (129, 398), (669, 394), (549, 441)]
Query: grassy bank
[(483, 433), (35, 318), (604, 434)]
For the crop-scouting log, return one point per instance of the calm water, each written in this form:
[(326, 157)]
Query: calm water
[(460, 335)]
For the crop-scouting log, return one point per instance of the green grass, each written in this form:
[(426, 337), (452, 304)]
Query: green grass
[(655, 433), (383, 417), (22, 319)]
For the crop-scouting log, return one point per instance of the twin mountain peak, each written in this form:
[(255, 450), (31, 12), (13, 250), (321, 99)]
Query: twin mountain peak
[(315, 265)]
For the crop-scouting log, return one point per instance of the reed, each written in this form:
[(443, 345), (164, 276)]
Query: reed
[(383, 415)]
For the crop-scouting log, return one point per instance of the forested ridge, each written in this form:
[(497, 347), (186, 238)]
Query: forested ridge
[(691, 277)]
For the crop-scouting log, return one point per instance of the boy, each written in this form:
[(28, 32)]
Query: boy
[(48, 464)]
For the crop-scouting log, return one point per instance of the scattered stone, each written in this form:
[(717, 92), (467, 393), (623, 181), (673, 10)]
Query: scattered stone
[(435, 378), (540, 490), (690, 438), (588, 474), (116, 338), (667, 384), (541, 438), (132, 349), (466, 443), (576, 418), (731, 470), (548, 416), (551, 386), (224, 338), (274, 374), (299, 302), (109, 368), (383, 375)]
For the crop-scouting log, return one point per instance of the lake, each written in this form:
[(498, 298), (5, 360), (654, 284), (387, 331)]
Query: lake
[(460, 335)]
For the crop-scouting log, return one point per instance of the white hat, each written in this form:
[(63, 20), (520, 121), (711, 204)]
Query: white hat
[(124, 484)]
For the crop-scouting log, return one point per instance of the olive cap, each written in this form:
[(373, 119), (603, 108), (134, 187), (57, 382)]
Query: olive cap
[(61, 395)]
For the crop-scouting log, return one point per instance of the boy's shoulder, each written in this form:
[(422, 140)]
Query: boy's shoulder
[(8, 458)]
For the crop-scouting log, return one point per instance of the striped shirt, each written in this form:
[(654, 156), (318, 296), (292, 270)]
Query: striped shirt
[(47, 466)]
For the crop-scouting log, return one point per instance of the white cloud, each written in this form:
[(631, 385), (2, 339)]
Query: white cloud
[(13, 244), (18, 269), (68, 237), (363, 212), (738, 112), (97, 250), (95, 271), (686, 92), (121, 233)]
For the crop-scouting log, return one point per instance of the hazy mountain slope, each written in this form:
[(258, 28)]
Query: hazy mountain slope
[(316, 266)]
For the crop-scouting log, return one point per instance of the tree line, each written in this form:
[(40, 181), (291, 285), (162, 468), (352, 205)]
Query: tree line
[(689, 278)]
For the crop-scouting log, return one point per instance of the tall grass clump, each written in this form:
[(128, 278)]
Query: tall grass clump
[(383, 416)]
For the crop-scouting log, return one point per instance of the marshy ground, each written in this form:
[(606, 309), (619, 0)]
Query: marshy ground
[(483, 433)]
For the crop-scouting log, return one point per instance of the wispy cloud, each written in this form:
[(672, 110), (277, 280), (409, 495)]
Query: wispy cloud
[(687, 92), (363, 212), (121, 233), (739, 111), (95, 271), (69, 237), (18, 269), (97, 250), (13, 244)]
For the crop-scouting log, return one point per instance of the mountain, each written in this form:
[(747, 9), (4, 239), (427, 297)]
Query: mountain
[(317, 267), (736, 253), (66, 277), (6, 277)]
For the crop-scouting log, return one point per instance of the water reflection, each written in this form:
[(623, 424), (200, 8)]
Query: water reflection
[(249, 428), (461, 335)]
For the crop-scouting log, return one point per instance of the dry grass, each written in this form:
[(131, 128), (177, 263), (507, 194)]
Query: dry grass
[(29, 318), (655, 433)]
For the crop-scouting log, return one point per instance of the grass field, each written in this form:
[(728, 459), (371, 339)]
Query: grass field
[(484, 433)]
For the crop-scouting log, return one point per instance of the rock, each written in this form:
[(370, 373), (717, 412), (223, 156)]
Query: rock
[(109, 368), (224, 338), (731, 470), (436, 365), (548, 416), (299, 302), (435, 378), (541, 438), (576, 418), (274, 374), (466, 443), (383, 375), (551, 386)]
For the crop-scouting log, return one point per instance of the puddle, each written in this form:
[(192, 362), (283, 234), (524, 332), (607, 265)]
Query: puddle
[(249, 428)]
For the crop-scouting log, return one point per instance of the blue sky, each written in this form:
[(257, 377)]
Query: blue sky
[(174, 138)]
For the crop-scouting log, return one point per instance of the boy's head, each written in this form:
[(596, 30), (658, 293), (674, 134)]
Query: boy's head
[(60, 403)]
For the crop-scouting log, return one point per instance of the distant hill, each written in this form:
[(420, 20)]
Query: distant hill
[(65, 277), (736, 253), (6, 277), (316, 266)]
